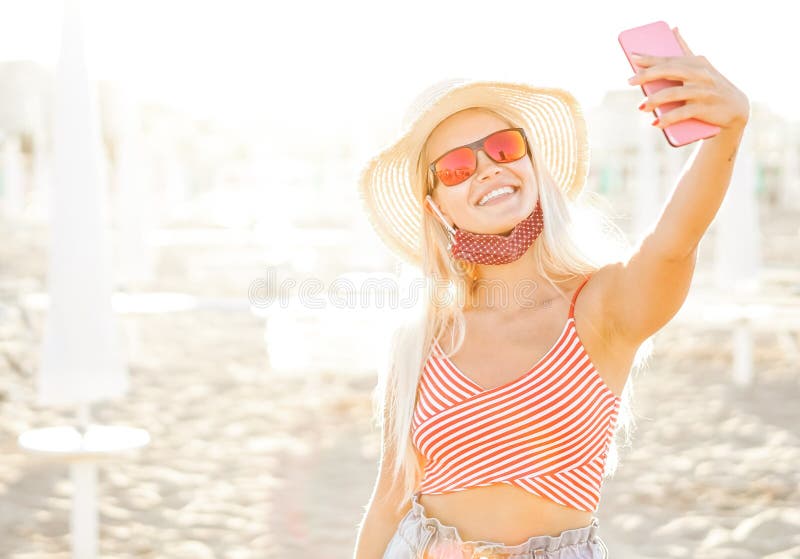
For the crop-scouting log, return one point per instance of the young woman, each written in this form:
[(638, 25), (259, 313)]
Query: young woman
[(500, 400)]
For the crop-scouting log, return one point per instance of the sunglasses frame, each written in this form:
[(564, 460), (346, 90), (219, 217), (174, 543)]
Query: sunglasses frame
[(476, 146)]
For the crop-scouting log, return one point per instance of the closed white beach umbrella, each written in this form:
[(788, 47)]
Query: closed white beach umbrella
[(12, 185), (737, 240), (790, 177), (80, 361), (134, 204), (737, 255), (647, 181)]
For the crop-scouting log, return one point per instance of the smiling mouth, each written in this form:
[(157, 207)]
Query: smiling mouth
[(501, 193)]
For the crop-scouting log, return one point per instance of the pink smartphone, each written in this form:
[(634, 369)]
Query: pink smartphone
[(657, 39)]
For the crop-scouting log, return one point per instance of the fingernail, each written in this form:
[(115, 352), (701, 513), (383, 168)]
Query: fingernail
[(654, 123), (642, 105)]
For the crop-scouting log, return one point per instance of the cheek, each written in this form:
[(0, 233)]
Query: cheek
[(524, 170), (455, 199)]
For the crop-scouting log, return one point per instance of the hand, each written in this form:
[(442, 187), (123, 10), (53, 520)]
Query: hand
[(709, 96)]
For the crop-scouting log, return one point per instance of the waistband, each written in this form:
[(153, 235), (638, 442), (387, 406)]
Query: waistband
[(547, 543)]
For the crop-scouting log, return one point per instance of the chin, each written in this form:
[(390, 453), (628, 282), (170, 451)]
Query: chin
[(506, 226), (520, 212)]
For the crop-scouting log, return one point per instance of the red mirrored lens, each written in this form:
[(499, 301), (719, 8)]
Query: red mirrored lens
[(505, 146), (460, 164), (457, 166)]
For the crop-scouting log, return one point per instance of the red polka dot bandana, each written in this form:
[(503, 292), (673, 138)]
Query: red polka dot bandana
[(483, 248)]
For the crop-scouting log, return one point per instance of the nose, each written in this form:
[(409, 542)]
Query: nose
[(486, 167)]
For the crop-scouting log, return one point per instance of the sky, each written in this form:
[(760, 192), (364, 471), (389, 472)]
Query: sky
[(346, 63)]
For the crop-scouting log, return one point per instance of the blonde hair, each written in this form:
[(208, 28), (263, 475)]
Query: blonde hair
[(577, 240)]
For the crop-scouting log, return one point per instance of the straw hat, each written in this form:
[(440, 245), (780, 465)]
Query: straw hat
[(553, 117)]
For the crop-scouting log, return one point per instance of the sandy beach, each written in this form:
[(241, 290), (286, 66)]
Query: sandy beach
[(248, 463)]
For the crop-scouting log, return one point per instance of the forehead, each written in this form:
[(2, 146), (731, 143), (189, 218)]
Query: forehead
[(462, 128)]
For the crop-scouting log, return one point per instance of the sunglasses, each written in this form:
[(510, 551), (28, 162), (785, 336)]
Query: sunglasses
[(459, 164)]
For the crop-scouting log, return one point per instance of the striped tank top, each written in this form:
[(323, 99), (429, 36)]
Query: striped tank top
[(547, 432)]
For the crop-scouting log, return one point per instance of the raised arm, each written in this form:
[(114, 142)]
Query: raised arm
[(645, 292)]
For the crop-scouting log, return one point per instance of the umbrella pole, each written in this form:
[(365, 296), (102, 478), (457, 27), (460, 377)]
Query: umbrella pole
[(742, 353), (83, 521), (84, 452)]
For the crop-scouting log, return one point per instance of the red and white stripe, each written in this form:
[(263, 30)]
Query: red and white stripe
[(546, 432)]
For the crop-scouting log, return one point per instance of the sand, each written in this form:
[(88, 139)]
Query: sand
[(248, 463)]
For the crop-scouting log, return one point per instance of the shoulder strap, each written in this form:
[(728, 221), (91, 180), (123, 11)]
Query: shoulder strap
[(575, 297)]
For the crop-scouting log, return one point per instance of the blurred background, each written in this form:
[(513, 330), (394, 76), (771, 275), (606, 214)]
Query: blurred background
[(179, 216)]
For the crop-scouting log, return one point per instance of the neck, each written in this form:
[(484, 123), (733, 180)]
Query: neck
[(509, 287)]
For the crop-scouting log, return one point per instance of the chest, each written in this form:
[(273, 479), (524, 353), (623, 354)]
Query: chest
[(496, 352), (500, 349)]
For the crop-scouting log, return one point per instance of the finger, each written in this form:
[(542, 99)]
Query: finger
[(644, 60), (684, 112), (683, 44), (670, 95), (667, 71)]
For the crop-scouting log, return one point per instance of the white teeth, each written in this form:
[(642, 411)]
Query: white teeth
[(495, 193)]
